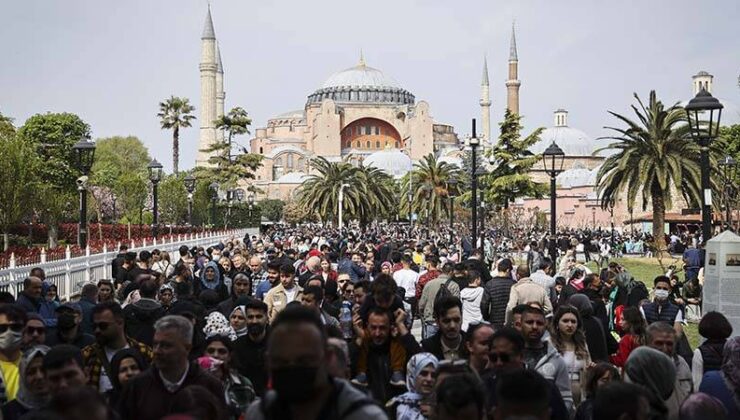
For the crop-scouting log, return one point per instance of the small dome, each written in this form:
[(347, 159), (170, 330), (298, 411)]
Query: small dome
[(451, 160), (574, 142), (292, 178), (359, 76), (576, 177), (391, 161), (292, 114)]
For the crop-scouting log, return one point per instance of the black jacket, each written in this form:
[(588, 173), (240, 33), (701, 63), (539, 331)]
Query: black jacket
[(433, 345), (495, 298), (250, 360), (140, 318), (480, 267)]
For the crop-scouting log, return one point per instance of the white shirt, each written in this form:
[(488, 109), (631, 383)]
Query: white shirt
[(104, 383), (407, 279), (172, 387), (290, 294)]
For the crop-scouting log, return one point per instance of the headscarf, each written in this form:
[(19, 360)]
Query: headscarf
[(625, 281), (730, 370), (408, 403), (217, 324), (243, 309), (699, 406), (386, 264), (115, 364), (652, 369), (167, 286), (414, 367), (216, 276), (582, 303), (24, 396)]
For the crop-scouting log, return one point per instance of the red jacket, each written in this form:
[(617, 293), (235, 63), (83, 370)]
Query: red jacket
[(626, 345)]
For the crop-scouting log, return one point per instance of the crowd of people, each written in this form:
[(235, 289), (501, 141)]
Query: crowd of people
[(384, 321)]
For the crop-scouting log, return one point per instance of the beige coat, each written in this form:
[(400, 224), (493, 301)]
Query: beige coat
[(525, 291), (277, 300)]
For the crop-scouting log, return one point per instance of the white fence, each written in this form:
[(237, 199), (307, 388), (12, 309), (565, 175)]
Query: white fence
[(70, 274)]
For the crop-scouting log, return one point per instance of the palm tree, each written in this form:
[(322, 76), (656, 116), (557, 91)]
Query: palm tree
[(378, 195), (430, 187), (655, 156), (235, 123), (175, 113)]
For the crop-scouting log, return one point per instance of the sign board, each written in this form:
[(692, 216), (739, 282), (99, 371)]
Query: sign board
[(721, 291)]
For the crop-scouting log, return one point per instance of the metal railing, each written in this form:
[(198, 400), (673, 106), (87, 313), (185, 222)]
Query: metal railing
[(71, 273)]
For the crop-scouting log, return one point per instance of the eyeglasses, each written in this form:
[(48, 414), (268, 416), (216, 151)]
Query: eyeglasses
[(495, 357), (102, 326), (35, 330), (13, 327), (220, 350)]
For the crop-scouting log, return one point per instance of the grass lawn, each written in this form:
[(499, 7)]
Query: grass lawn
[(645, 270)]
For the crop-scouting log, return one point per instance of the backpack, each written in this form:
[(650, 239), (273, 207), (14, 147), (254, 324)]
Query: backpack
[(443, 291)]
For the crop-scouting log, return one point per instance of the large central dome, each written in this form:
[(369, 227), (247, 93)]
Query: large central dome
[(362, 83)]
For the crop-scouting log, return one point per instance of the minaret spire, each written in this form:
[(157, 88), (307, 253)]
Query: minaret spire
[(485, 105), (513, 82), (512, 45), (208, 32), (209, 75), (362, 58), (220, 93)]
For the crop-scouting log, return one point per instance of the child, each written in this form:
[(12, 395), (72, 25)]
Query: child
[(471, 297)]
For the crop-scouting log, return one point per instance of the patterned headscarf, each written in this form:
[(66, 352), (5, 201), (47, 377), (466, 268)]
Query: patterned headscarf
[(415, 365), (167, 286), (24, 396), (217, 324), (731, 367)]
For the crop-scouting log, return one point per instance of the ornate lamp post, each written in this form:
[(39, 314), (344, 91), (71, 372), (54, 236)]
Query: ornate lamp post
[(552, 160), (704, 132), (84, 154), (451, 193), (155, 175), (190, 187), (611, 220), (214, 200), (474, 143), (729, 173), (250, 202)]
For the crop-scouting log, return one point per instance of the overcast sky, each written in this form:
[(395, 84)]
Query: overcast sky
[(112, 62)]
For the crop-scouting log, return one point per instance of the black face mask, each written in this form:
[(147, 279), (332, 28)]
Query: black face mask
[(295, 383), (255, 329), (66, 321)]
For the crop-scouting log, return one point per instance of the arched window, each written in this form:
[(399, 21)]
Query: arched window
[(290, 161), (368, 144), (278, 162), (377, 144), (377, 130)]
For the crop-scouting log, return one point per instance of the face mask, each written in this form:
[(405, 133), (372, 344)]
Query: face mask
[(294, 383), (255, 329), (661, 294), (10, 339), (66, 321)]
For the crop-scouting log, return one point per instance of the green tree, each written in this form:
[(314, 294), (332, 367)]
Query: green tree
[(235, 123), (175, 113), (731, 136), (6, 126), (18, 170), (272, 209), (377, 197), (173, 199), (654, 157), (431, 188), (133, 190)]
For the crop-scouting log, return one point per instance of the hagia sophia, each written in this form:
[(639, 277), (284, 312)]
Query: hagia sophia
[(363, 115)]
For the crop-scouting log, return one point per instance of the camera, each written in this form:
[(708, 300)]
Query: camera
[(82, 182)]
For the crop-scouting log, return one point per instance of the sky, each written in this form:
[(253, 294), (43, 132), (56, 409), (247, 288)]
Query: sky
[(111, 63)]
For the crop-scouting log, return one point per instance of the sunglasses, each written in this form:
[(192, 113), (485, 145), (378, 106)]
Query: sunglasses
[(495, 357), (13, 327), (211, 350), (36, 330)]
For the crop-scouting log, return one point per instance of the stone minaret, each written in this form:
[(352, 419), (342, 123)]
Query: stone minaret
[(220, 94), (702, 80), (208, 72), (485, 105), (512, 85)]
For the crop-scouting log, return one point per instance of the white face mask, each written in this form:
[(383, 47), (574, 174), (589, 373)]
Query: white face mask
[(661, 294), (10, 339)]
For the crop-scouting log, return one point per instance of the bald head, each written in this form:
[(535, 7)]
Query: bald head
[(313, 263), (255, 264)]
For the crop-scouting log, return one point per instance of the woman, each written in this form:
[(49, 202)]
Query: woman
[(238, 320), (656, 372), (596, 377), (105, 291), (51, 294), (224, 264), (217, 360), (593, 328), (386, 268), (33, 392), (124, 366), (327, 272), (708, 356), (634, 326), (163, 265), (211, 279), (217, 324), (724, 384), (566, 335), (420, 377), (166, 296)]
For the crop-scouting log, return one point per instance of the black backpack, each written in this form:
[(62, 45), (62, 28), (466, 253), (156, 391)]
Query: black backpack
[(443, 291)]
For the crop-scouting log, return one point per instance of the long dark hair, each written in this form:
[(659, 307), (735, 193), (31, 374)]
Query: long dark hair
[(636, 324), (579, 338)]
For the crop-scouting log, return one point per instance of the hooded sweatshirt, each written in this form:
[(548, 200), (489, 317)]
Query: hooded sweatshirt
[(471, 298), (140, 318)]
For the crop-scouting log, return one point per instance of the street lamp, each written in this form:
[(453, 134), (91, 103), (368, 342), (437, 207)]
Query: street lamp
[(250, 202), (704, 131), (427, 191), (729, 172), (84, 153), (474, 143), (155, 175), (214, 199), (190, 187), (552, 160), (611, 220), (341, 204), (451, 193)]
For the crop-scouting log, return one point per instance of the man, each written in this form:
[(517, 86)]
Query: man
[(447, 343), (68, 331), (142, 266), (118, 261), (362, 288), (407, 278), (693, 260), (432, 273), (285, 292), (110, 337), (271, 280), (249, 349), (30, 298), (34, 332), (241, 288), (506, 354), (496, 294), (542, 356), (522, 393), (141, 315), (661, 308), (312, 297), (353, 266), (12, 321), (302, 386), (63, 369), (543, 277), (429, 297), (150, 395), (476, 262), (477, 342), (661, 336), (526, 291), (88, 300), (129, 261)]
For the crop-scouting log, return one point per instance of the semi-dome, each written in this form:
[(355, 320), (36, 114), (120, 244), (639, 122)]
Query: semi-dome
[(578, 176), (391, 161), (292, 178), (574, 142)]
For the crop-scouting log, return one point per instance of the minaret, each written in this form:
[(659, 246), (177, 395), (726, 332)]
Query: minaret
[(702, 80), (485, 105), (512, 85), (208, 71), (220, 94)]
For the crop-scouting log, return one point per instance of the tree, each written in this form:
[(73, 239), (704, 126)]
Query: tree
[(294, 213), (173, 199), (731, 136), (6, 126), (235, 123), (133, 191), (18, 170), (272, 209), (654, 156), (431, 187), (175, 113)]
